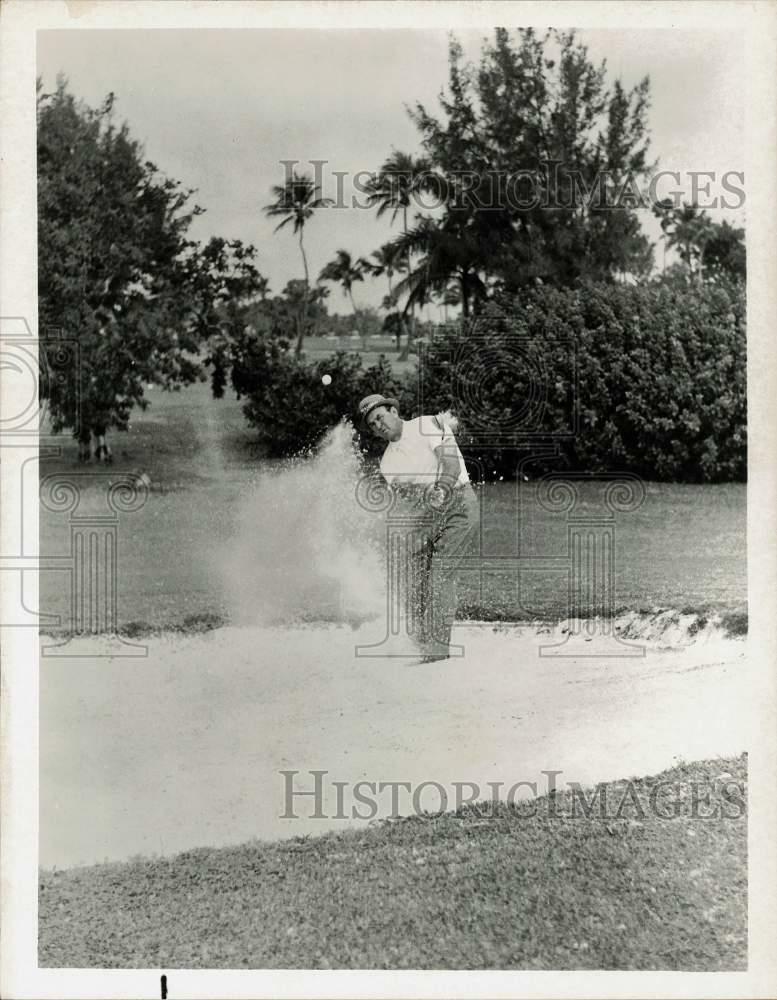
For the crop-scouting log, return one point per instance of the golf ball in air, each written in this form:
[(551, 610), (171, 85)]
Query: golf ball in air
[(326, 379)]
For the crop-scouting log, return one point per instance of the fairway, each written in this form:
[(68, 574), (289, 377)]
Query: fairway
[(683, 549)]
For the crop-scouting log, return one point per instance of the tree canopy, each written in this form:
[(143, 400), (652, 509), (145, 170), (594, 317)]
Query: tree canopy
[(708, 250), (118, 272), (345, 271), (530, 159)]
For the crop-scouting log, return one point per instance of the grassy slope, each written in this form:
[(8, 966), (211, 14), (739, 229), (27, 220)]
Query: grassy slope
[(514, 890), (684, 548)]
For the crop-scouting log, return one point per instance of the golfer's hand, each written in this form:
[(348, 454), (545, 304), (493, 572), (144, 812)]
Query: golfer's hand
[(438, 497)]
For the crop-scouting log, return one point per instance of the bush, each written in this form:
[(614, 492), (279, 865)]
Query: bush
[(651, 379), (291, 407)]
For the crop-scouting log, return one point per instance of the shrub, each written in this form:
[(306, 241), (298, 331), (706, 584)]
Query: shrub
[(654, 377), (291, 407)]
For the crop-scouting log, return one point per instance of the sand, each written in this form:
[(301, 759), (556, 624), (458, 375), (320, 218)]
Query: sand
[(184, 747)]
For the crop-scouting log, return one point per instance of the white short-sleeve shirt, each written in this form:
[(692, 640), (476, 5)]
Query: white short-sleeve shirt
[(412, 460)]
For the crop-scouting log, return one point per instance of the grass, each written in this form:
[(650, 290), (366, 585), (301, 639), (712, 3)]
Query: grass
[(735, 623), (317, 348), (684, 547), (534, 886)]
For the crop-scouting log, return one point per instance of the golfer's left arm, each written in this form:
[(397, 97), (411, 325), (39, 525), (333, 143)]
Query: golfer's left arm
[(449, 466)]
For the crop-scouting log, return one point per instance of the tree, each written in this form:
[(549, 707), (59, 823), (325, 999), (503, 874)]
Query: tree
[(221, 284), (295, 297), (687, 230), (450, 296), (725, 254), (318, 297), (393, 190), (343, 270), (541, 158), (384, 260), (263, 288), (294, 203), (393, 325), (449, 250), (707, 250), (117, 271), (255, 335)]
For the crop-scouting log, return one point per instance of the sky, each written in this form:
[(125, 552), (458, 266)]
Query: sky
[(219, 110)]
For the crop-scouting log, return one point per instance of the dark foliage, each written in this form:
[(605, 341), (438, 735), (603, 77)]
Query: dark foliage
[(648, 379), (118, 276)]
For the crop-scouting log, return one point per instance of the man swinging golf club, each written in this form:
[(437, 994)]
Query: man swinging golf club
[(423, 463)]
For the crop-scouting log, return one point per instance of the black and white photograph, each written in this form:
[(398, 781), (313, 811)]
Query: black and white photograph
[(388, 499)]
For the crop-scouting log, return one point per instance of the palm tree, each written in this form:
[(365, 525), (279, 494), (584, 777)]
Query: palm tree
[(449, 296), (295, 202), (689, 230), (395, 186), (318, 297), (451, 250), (384, 261), (343, 270)]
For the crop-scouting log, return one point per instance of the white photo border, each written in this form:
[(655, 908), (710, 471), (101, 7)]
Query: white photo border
[(19, 22)]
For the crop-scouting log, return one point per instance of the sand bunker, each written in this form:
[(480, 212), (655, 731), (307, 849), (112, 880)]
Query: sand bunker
[(186, 746)]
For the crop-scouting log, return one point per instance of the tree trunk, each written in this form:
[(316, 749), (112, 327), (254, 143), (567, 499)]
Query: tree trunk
[(303, 312), (84, 445), (409, 325), (300, 335), (464, 298), (103, 452), (316, 323), (405, 352)]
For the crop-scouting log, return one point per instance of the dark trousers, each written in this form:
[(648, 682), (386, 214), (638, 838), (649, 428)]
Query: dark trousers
[(437, 551)]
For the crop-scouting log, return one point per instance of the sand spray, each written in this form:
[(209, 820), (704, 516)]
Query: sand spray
[(303, 547)]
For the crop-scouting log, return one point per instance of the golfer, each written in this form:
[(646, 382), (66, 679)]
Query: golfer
[(423, 464)]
